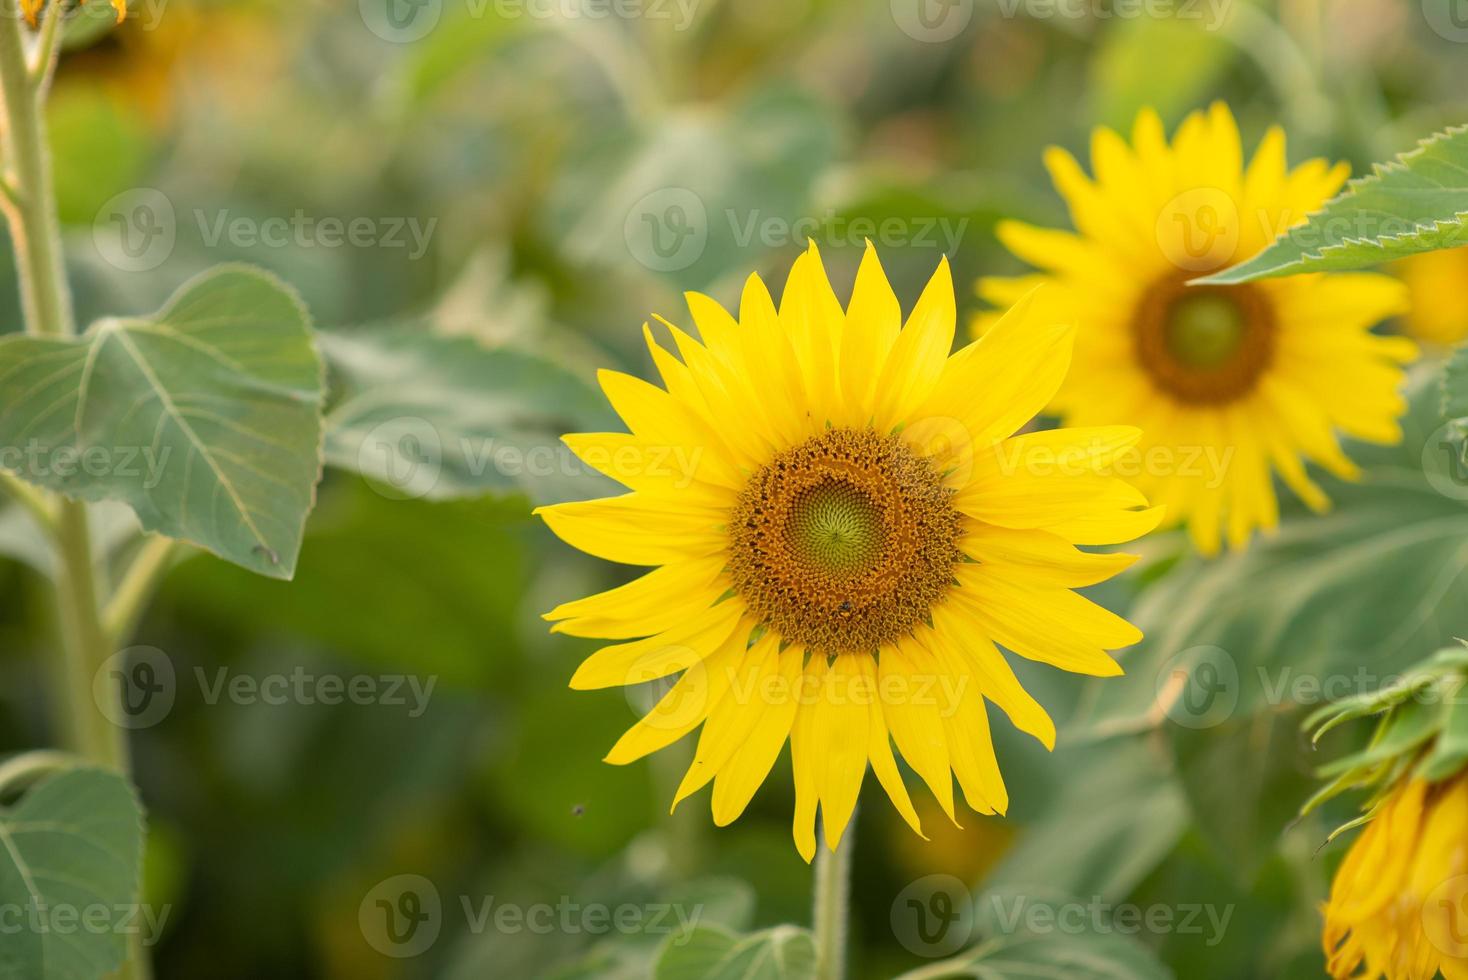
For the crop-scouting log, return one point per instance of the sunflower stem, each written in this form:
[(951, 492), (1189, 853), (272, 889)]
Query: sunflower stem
[(832, 899), (35, 232)]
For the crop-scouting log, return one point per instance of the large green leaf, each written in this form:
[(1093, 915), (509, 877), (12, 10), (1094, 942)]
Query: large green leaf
[(69, 868), (1331, 606), (1134, 812), (205, 418), (1031, 936), (425, 415), (1416, 203), (715, 953)]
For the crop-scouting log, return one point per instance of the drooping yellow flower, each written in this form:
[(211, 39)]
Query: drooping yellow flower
[(1437, 283), (1398, 907), (842, 526), (1228, 384)]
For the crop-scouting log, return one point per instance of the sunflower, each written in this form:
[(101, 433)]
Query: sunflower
[(1437, 283), (1399, 904), (1228, 384), (33, 7), (842, 526)]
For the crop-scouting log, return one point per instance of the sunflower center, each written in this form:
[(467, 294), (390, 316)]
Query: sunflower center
[(1204, 345), (844, 542), (834, 527)]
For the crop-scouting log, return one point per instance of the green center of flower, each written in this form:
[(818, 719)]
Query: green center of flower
[(835, 527), (844, 543), (1204, 331), (1204, 345)]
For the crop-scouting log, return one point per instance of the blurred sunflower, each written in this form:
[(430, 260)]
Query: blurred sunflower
[(1437, 283), (1227, 383), (31, 8), (845, 527), (1399, 904)]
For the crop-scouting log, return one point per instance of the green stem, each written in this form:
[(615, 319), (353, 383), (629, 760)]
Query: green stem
[(20, 771), (35, 232), (33, 500), (35, 228), (138, 584), (832, 900)]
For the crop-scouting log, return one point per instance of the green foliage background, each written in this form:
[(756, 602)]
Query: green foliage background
[(531, 142)]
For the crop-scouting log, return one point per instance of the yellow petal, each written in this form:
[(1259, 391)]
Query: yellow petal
[(667, 653), (638, 530)]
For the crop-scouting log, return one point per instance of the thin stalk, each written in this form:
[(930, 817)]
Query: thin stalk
[(35, 228), (137, 586), (35, 232), (832, 903), (33, 500)]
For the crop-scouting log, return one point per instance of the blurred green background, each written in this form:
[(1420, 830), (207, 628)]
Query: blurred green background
[(544, 176)]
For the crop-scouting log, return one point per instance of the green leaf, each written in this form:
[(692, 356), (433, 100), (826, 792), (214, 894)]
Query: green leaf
[(714, 953), (1449, 753), (426, 415), (1033, 936), (1135, 812), (1416, 203), (72, 849), (205, 418), (1455, 385), (1405, 729)]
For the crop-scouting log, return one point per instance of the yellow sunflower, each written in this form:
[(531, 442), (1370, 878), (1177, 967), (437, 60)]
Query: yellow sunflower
[(842, 526), (1228, 384), (1399, 904), (1437, 283)]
